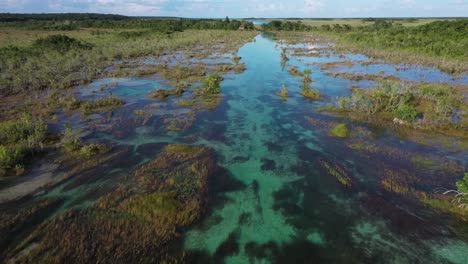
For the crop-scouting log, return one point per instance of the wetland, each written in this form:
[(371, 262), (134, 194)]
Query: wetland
[(222, 145)]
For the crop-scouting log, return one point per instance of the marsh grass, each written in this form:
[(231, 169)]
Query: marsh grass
[(25, 67), (101, 104), (20, 138), (309, 93), (425, 106)]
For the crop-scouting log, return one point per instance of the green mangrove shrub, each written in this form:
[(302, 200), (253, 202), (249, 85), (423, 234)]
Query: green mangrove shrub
[(406, 112), (212, 84)]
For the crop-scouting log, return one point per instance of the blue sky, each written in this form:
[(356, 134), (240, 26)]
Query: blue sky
[(245, 8)]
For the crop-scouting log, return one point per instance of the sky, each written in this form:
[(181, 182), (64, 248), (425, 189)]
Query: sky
[(245, 8)]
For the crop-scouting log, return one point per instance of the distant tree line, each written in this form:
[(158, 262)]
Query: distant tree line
[(277, 25), (10, 17), (76, 21)]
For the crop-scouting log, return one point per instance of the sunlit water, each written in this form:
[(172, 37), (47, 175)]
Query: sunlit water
[(279, 204)]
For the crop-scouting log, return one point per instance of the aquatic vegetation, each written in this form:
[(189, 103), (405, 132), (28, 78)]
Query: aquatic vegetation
[(394, 182), (364, 146), (284, 56), (101, 104), (164, 93), (462, 185), (294, 71), (334, 65), (309, 92), (180, 123), (306, 76), (236, 59), (19, 138), (283, 93), (136, 221), (141, 113), (360, 77), (422, 161), (70, 142), (26, 68), (212, 84), (340, 131), (424, 109), (186, 103), (406, 112), (75, 149), (443, 200), (336, 171)]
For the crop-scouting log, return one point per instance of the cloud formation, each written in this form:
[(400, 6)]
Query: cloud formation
[(245, 8)]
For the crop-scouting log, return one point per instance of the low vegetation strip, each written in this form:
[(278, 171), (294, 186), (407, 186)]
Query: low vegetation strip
[(434, 41)]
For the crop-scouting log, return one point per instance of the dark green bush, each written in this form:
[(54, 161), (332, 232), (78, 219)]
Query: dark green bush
[(406, 112), (212, 84), (60, 43)]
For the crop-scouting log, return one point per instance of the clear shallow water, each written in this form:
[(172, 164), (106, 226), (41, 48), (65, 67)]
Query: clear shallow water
[(280, 205), (289, 210)]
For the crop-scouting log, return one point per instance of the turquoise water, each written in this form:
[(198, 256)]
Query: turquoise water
[(276, 202), (288, 210)]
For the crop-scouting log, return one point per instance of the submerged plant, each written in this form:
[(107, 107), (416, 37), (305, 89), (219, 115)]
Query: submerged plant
[(337, 172), (340, 131)]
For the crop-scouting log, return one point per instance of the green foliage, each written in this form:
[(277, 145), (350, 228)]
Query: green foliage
[(437, 104), (277, 25), (439, 38), (60, 43), (406, 112), (30, 65), (70, 142), (212, 84), (306, 76), (462, 184), (86, 152), (340, 131), (19, 138)]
